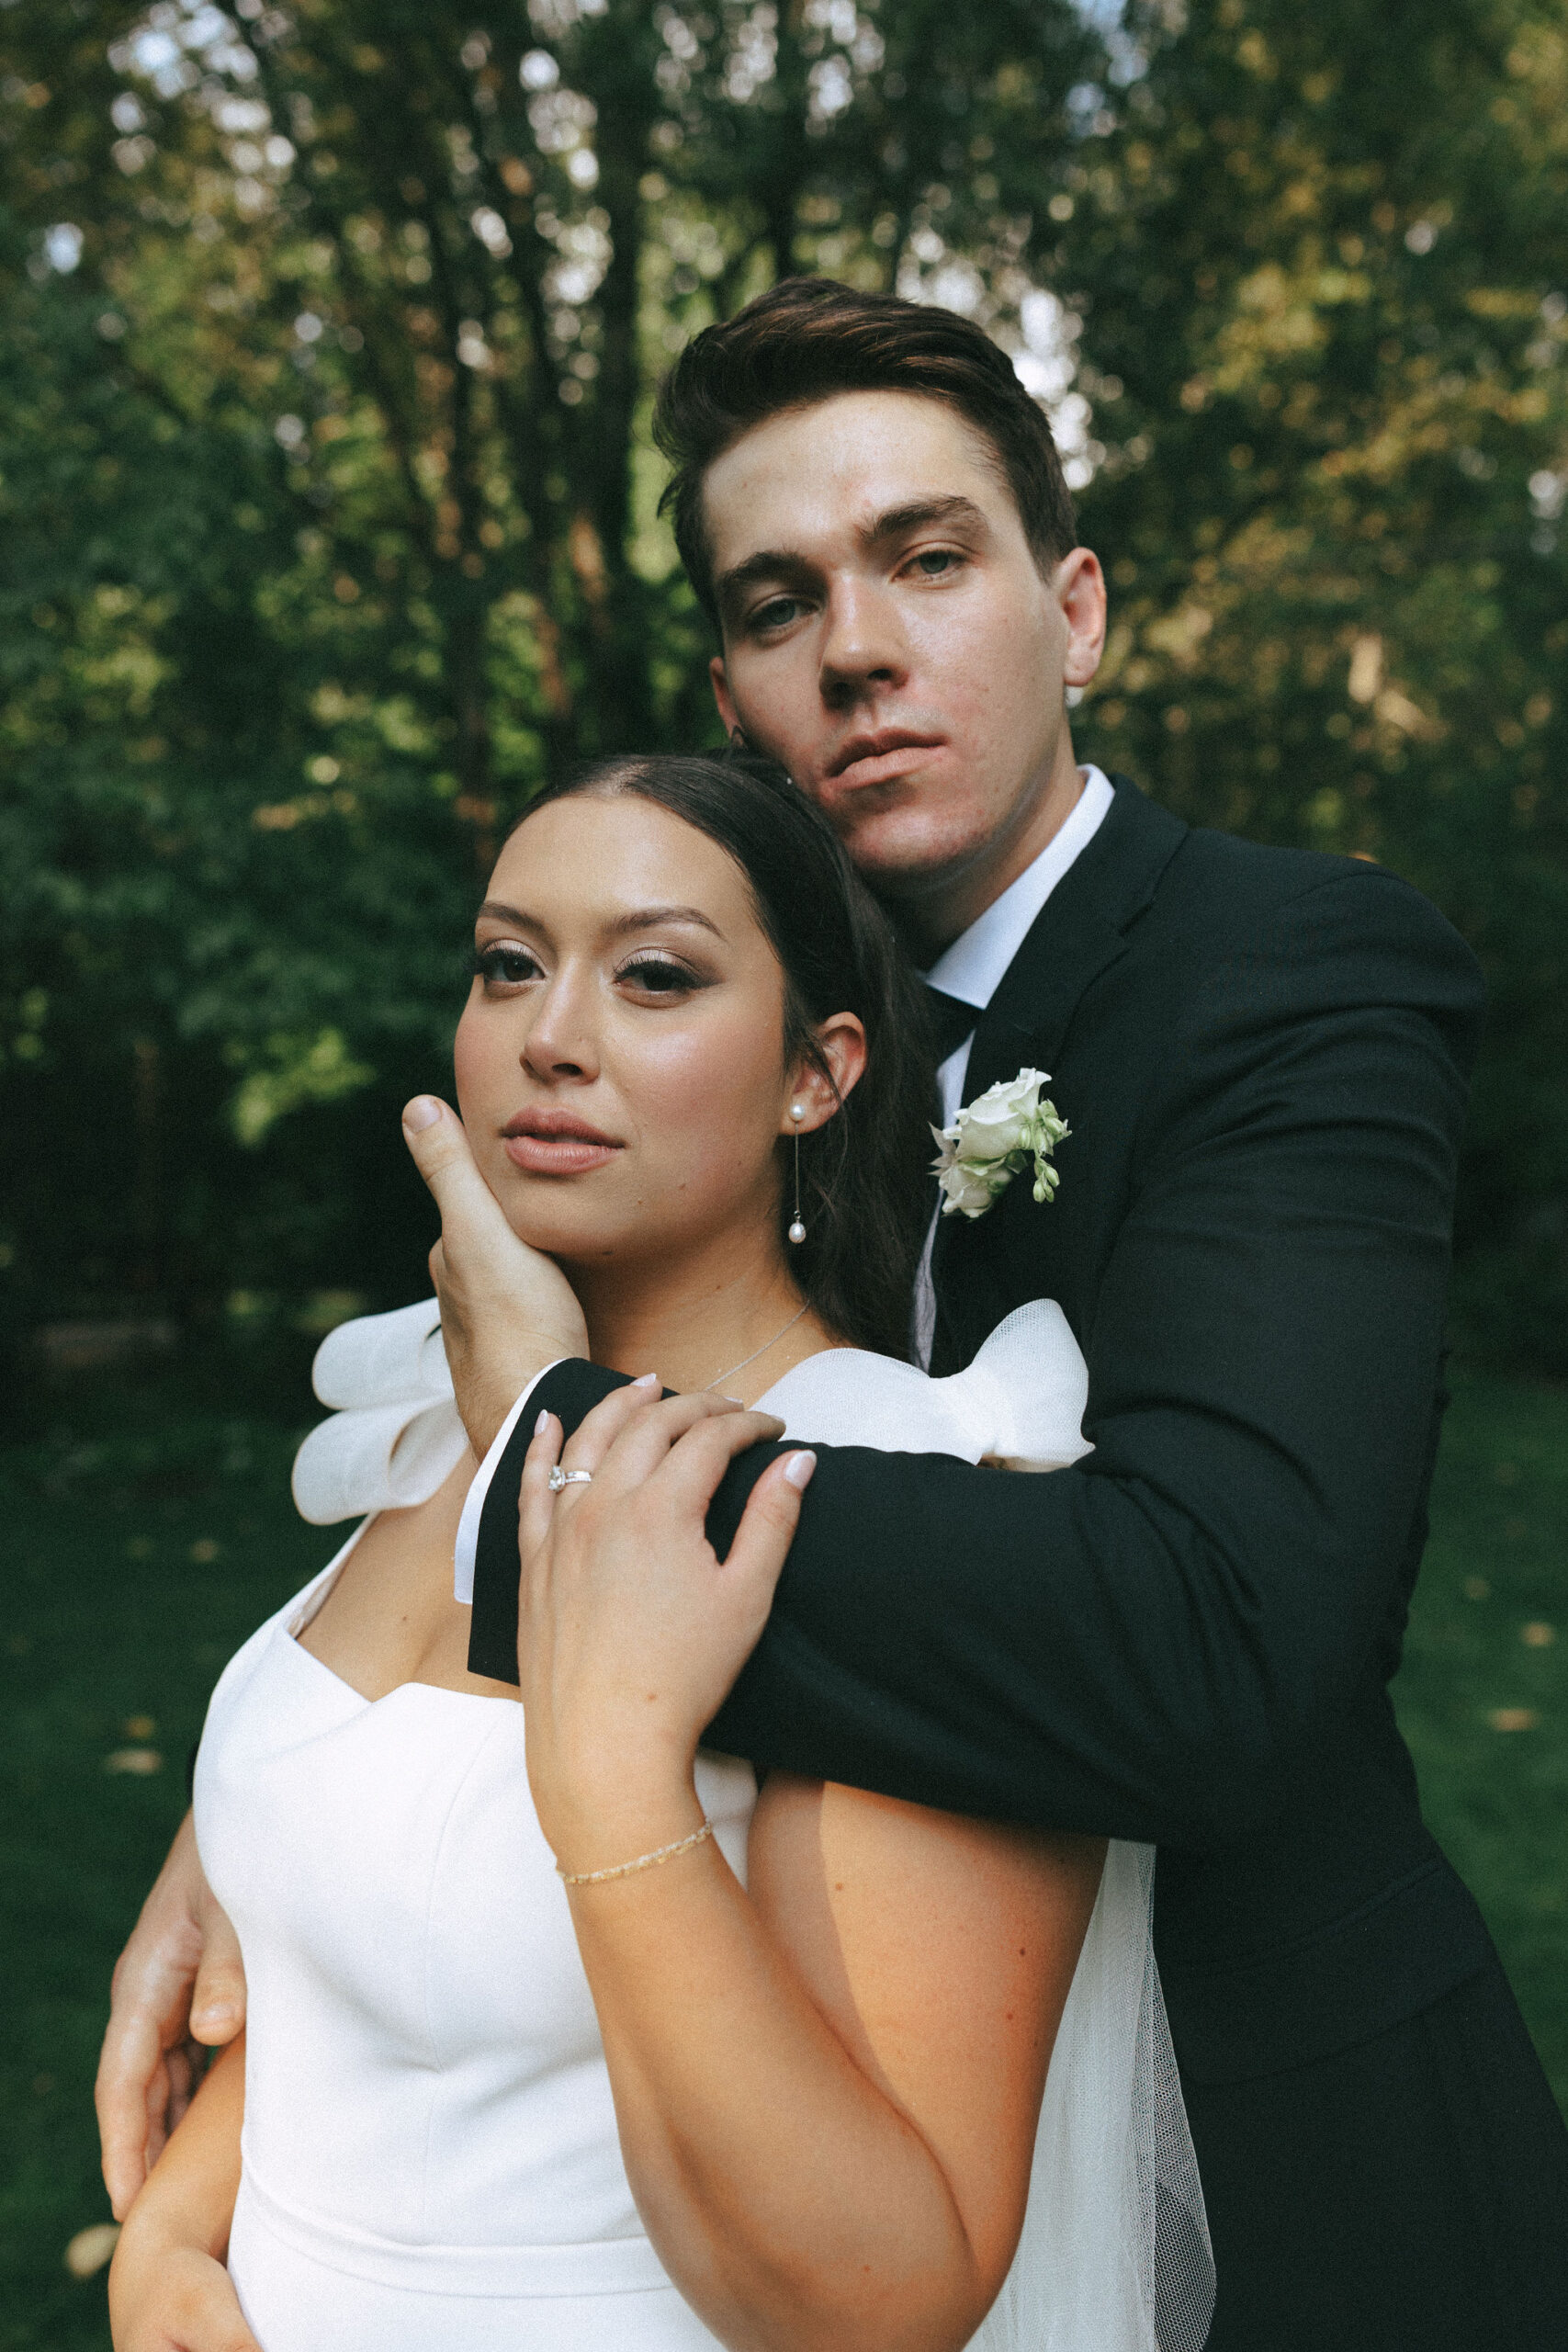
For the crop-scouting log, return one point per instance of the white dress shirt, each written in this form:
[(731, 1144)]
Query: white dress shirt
[(973, 969)]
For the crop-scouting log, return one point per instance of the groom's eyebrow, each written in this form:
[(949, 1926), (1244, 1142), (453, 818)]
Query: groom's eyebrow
[(896, 522), (787, 565)]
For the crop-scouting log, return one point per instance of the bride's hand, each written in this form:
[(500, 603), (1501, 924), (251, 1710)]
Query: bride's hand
[(165, 2297), (506, 1310), (631, 1629)]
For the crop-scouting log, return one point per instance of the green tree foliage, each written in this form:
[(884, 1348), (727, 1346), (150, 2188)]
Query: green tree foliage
[(1325, 250), (329, 335)]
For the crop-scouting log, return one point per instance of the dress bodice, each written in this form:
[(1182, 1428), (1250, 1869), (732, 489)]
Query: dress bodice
[(423, 2060)]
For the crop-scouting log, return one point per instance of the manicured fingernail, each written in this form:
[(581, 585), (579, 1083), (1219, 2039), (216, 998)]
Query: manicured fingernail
[(798, 1469), (214, 2019), (539, 1424), (421, 1113), (646, 1380)]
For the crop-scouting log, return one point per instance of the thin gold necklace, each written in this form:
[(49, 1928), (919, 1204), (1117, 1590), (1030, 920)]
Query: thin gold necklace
[(730, 1370)]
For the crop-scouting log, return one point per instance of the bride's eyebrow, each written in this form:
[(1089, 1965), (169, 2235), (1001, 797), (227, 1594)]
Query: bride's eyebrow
[(649, 918), (497, 912), (641, 919)]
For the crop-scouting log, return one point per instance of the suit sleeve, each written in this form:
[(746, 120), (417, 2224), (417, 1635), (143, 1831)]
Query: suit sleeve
[(1146, 1645)]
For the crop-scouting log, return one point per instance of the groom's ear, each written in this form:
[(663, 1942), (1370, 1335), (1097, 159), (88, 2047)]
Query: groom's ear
[(720, 678)]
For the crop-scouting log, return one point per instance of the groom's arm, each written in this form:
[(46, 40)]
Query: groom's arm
[(1149, 1643)]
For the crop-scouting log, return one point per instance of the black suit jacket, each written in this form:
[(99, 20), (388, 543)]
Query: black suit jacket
[(1187, 1637)]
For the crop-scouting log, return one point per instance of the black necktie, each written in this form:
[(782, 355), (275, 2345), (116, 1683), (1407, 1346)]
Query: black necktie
[(950, 1019)]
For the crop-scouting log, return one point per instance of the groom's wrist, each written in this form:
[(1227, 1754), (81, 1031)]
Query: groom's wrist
[(492, 1391)]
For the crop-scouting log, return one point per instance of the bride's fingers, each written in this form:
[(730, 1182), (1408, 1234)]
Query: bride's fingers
[(647, 1441), (769, 1521), (600, 1443), (590, 1441), (699, 1458), (535, 1503)]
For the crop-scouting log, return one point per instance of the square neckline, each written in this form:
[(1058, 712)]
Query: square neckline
[(307, 1606)]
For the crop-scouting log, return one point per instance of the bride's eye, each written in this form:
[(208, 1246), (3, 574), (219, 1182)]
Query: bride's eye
[(506, 965), (658, 976)]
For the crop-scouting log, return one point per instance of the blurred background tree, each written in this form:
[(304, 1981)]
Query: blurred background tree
[(328, 337)]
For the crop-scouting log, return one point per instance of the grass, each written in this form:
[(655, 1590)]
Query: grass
[(146, 1540)]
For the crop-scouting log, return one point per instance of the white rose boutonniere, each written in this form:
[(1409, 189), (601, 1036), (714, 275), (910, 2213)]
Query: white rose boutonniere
[(991, 1141)]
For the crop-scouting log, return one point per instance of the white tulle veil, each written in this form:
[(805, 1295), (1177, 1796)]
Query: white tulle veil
[(1115, 2254)]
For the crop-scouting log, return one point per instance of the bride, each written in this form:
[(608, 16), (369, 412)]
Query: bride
[(563, 2034)]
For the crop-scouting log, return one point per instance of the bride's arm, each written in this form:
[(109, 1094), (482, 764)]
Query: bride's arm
[(168, 2288), (827, 2089)]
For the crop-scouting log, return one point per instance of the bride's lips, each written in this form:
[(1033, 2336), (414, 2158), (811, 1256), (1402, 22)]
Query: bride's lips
[(555, 1143), (882, 757)]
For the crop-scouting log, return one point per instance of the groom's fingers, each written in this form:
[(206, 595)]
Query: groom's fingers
[(506, 1310), (440, 1151)]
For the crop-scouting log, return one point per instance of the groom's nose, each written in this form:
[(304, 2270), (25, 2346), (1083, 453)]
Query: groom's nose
[(863, 641)]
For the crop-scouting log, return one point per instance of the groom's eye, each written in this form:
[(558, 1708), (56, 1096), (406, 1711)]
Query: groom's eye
[(506, 965), (934, 563), (777, 613)]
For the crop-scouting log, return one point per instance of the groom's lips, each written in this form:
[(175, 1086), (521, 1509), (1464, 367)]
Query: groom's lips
[(882, 757), (555, 1143)]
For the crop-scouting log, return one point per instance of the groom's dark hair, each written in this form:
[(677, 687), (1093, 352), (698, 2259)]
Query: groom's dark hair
[(808, 338)]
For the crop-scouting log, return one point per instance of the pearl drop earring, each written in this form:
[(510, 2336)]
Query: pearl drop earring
[(797, 1229)]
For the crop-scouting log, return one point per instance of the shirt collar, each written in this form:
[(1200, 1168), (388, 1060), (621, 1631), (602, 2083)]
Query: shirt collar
[(973, 968)]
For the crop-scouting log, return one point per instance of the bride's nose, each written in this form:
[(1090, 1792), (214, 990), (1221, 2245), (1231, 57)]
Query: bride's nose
[(561, 1041)]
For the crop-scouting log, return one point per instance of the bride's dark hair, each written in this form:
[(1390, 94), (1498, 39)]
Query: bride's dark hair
[(866, 1195)]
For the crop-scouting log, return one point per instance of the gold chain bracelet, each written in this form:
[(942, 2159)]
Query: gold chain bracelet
[(643, 1861)]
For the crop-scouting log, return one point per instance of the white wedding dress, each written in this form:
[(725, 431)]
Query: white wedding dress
[(430, 2155)]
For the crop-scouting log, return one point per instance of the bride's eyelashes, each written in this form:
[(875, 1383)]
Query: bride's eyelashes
[(502, 964), (659, 977), (651, 977)]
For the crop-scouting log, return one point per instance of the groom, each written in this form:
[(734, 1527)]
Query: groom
[(1187, 1638)]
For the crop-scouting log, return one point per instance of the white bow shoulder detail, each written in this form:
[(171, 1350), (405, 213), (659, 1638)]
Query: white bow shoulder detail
[(1021, 1401), (395, 1434), (1023, 1398)]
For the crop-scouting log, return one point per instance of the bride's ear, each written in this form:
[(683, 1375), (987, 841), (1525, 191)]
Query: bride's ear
[(841, 1040)]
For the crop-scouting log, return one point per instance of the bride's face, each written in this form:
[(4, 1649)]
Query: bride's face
[(620, 1060)]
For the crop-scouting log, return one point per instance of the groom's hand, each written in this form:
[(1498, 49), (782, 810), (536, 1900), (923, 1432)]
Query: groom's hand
[(506, 1310), (180, 1981)]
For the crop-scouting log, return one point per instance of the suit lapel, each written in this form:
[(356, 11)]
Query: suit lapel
[(1079, 933)]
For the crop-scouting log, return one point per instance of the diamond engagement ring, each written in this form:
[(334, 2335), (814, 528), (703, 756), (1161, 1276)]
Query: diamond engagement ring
[(559, 1478)]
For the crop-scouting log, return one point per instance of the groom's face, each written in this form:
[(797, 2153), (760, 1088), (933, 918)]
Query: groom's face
[(890, 637)]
